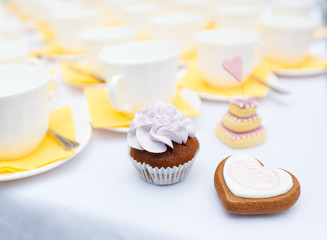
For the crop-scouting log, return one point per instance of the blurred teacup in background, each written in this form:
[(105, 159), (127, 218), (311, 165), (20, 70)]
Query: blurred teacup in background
[(202, 8), (49, 7), (93, 40), (141, 72), (287, 39), (179, 28), (253, 3), (13, 52), (138, 16), (114, 10), (68, 24), (237, 17), (215, 46), (25, 105), (299, 8)]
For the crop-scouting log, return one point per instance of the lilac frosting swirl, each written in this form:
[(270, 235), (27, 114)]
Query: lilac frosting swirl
[(158, 126)]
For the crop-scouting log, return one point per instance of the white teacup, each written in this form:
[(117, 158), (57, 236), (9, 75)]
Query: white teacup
[(13, 52), (287, 39), (115, 9), (138, 16), (93, 40), (237, 17), (142, 72), (68, 24), (299, 8), (25, 105), (179, 28), (203, 8), (215, 46)]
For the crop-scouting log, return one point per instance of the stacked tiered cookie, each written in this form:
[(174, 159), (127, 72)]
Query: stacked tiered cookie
[(241, 126)]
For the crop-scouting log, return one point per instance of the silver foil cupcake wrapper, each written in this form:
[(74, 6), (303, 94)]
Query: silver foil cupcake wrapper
[(162, 176)]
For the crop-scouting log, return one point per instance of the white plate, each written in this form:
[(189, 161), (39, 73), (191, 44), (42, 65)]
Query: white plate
[(189, 96), (272, 79), (83, 134)]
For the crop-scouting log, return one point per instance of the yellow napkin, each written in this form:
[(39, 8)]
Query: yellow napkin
[(103, 115), (188, 57), (74, 77), (310, 62), (49, 150), (45, 32), (11, 7), (194, 80), (54, 47)]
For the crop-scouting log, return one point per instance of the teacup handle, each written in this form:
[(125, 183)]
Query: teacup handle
[(261, 54), (53, 94), (112, 89)]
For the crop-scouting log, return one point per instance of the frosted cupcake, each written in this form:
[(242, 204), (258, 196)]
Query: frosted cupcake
[(162, 143)]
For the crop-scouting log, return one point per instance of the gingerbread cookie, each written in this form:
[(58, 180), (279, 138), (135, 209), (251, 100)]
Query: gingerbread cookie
[(245, 186), (241, 125)]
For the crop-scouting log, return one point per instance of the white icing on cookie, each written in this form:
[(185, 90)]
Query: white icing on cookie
[(246, 177)]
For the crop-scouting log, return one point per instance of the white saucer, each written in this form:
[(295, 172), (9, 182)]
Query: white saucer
[(300, 72), (83, 132), (272, 79), (304, 72), (64, 57), (189, 96)]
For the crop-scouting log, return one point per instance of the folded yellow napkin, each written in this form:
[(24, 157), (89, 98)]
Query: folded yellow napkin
[(53, 47), (49, 150), (309, 62), (194, 80), (45, 32), (103, 115), (11, 7), (71, 74)]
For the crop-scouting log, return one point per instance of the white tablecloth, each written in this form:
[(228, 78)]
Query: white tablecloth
[(99, 195)]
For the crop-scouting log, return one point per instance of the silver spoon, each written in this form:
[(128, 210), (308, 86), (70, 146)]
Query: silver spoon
[(275, 89), (66, 143)]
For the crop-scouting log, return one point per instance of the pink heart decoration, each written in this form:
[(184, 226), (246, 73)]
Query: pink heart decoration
[(234, 67)]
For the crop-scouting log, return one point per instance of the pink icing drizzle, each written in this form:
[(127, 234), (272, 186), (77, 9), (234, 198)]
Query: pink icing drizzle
[(246, 119), (245, 103), (253, 175), (235, 135)]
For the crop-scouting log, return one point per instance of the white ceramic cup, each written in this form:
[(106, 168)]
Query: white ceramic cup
[(25, 105), (287, 39), (237, 17), (138, 16), (93, 40), (115, 10), (142, 72), (214, 46), (13, 52), (203, 8), (179, 28), (68, 24), (299, 8)]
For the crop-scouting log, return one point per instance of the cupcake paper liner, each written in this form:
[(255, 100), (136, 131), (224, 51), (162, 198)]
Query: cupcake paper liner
[(162, 176)]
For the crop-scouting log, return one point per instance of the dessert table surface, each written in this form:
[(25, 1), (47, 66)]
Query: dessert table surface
[(99, 195)]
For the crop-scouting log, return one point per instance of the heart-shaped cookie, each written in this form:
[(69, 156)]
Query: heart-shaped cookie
[(245, 186)]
